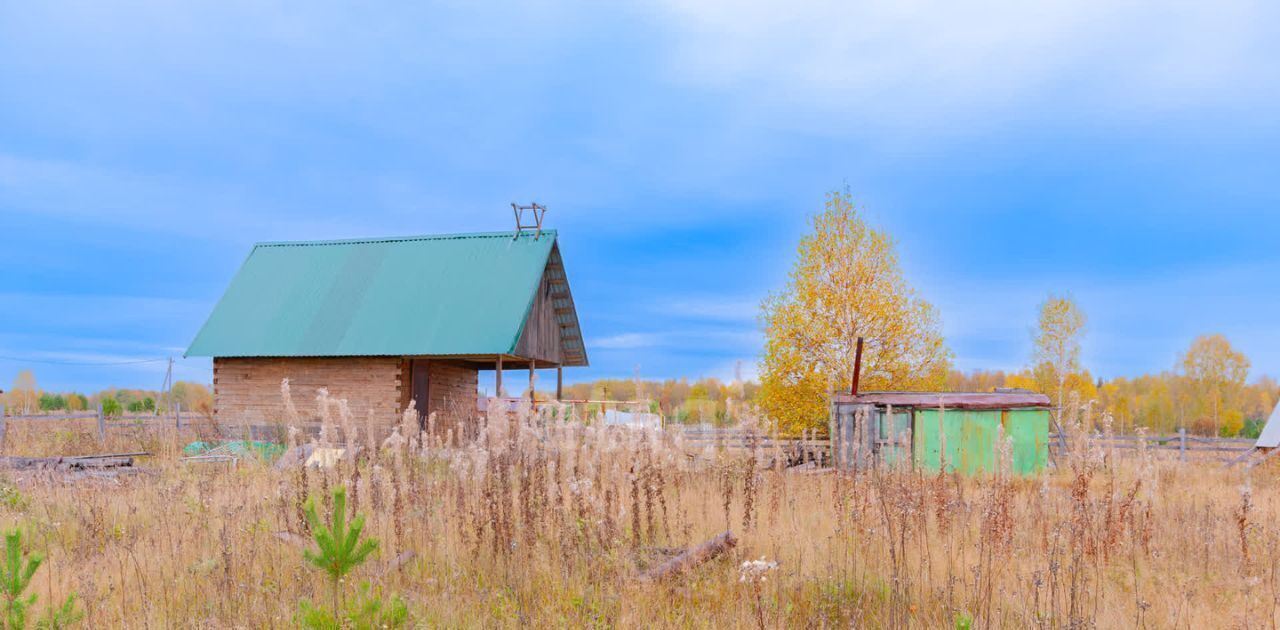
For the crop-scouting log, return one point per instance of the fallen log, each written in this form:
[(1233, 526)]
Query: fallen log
[(96, 456), (66, 463), (691, 558)]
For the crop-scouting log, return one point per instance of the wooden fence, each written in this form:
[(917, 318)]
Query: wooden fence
[(808, 448), (1187, 447), (173, 418)]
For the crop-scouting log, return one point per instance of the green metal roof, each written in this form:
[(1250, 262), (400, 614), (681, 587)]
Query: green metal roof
[(457, 294)]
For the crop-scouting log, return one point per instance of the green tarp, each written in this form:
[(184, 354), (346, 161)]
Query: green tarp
[(266, 451)]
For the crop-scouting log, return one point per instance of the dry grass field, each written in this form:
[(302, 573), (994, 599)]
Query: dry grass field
[(552, 525)]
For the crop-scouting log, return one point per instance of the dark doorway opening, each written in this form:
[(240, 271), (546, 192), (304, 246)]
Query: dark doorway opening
[(421, 389)]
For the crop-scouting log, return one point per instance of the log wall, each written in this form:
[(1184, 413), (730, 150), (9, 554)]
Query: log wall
[(247, 390), (453, 394)]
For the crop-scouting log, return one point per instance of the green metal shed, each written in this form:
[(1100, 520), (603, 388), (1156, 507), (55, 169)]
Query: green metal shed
[(931, 430)]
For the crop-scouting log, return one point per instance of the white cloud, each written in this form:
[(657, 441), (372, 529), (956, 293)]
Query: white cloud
[(729, 339), (857, 64), (626, 341)]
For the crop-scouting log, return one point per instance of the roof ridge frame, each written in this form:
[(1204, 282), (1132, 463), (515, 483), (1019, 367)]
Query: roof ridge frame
[(405, 239)]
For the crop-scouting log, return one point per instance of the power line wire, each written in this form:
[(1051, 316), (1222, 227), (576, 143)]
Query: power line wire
[(51, 362)]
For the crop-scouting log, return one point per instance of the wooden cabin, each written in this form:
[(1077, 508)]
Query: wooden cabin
[(381, 322)]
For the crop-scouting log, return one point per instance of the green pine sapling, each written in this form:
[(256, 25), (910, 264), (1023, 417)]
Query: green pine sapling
[(17, 572), (340, 551), (16, 578)]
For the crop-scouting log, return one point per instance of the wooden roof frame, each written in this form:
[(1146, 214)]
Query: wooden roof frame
[(573, 349)]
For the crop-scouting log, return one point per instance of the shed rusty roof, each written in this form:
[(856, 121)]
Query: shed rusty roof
[(950, 400), (454, 294)]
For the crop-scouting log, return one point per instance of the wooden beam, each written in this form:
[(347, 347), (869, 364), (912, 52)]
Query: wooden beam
[(559, 383), (498, 378), (1270, 453)]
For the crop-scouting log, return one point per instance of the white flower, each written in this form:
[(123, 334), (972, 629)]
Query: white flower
[(754, 570)]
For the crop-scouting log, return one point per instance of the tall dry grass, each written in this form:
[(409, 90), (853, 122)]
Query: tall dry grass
[(532, 521)]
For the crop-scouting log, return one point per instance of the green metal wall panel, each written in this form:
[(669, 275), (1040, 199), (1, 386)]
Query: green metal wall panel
[(1030, 431), (970, 439)]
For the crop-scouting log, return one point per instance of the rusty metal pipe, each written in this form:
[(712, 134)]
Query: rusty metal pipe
[(857, 368)]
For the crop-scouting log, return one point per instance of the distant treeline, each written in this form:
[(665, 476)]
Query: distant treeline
[(1160, 402), (26, 397)]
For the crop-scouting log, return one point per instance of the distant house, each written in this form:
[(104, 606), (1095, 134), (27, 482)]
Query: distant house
[(384, 321)]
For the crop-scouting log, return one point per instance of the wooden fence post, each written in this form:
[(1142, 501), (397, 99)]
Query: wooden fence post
[(1182, 444), (4, 427), (102, 423), (177, 416)]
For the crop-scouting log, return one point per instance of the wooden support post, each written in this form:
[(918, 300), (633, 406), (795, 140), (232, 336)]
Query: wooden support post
[(102, 423), (1062, 436), (177, 416), (533, 398), (559, 383), (498, 379), (1182, 444), (4, 427)]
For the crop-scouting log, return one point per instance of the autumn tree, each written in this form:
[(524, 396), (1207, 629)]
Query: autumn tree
[(192, 396), (846, 284), (24, 396), (1057, 347), (1216, 373)]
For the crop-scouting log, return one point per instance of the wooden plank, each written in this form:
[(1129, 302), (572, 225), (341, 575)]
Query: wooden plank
[(1235, 460), (540, 339), (1271, 453), (1173, 447), (951, 400), (57, 416)]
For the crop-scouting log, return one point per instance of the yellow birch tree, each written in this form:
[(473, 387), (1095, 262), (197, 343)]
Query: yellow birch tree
[(1057, 348), (1217, 373), (845, 284)]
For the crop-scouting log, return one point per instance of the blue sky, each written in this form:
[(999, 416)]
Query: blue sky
[(1124, 152)]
